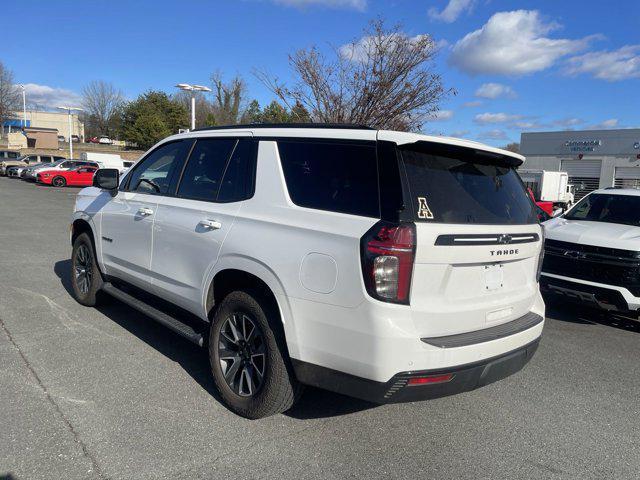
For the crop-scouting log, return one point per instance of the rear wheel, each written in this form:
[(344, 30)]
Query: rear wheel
[(86, 278), (58, 181), (250, 366)]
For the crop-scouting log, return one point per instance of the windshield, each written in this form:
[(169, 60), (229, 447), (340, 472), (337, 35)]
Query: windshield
[(466, 190), (54, 164), (602, 207)]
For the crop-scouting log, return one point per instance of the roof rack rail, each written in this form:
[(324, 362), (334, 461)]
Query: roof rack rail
[(613, 188), (346, 126)]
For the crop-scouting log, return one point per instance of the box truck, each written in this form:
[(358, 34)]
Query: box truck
[(549, 186), (107, 160)]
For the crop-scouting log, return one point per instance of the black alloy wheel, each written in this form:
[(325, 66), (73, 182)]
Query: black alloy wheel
[(242, 354), (83, 269), (59, 182)]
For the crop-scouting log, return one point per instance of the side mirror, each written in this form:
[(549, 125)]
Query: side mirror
[(106, 178)]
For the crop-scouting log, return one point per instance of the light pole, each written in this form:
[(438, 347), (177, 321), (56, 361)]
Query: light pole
[(68, 109), (193, 88), (24, 105)]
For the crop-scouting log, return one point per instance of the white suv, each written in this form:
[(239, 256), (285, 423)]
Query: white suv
[(592, 254), (383, 265)]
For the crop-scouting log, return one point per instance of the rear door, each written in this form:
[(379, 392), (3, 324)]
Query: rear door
[(478, 240), (127, 218), (191, 226)]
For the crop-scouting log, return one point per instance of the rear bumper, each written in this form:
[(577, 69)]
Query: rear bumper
[(602, 296), (464, 378)]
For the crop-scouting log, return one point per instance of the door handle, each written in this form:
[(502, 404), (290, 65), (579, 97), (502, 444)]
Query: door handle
[(145, 212), (210, 224)]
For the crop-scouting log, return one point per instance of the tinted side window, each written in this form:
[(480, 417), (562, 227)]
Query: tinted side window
[(154, 173), (340, 177), (237, 183), (203, 174)]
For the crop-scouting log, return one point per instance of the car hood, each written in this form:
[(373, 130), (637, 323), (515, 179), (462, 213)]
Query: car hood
[(13, 163), (600, 234)]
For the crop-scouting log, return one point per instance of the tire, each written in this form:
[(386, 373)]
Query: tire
[(86, 278), (260, 381), (59, 182)]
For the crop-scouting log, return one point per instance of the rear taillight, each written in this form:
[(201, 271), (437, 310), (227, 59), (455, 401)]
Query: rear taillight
[(388, 250)]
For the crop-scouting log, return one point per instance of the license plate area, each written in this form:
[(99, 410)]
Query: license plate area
[(493, 277)]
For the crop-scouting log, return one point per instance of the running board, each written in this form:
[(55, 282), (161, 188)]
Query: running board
[(168, 321)]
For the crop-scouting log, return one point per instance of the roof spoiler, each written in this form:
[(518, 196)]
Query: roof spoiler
[(493, 156)]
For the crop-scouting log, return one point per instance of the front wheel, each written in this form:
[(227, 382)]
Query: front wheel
[(248, 357), (58, 182), (86, 278)]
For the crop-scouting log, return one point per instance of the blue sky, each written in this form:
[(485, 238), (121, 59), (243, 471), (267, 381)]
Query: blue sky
[(517, 66)]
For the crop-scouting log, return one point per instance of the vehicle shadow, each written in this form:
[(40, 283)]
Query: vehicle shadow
[(314, 403), (573, 313)]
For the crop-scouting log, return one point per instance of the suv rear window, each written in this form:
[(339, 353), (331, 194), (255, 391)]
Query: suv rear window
[(466, 189), (335, 176)]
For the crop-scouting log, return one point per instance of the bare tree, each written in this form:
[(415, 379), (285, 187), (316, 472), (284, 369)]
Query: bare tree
[(9, 95), (384, 80), (204, 108), (512, 147), (101, 102), (228, 99)]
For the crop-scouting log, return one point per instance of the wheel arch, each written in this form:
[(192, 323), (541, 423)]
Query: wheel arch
[(80, 225), (240, 272)]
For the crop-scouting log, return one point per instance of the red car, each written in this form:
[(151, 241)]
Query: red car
[(546, 207), (78, 177)]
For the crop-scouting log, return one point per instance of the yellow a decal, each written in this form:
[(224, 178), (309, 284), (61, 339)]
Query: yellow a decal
[(423, 209)]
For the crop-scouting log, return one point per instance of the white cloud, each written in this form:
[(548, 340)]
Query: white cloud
[(485, 118), (528, 125), (442, 44), (360, 50), (605, 125), (353, 4), (569, 122), (612, 66), (495, 90), (441, 115), (452, 11), (513, 43), (474, 103), (495, 134), (459, 133), (50, 97)]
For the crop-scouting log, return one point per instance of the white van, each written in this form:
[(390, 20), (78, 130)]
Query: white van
[(106, 160)]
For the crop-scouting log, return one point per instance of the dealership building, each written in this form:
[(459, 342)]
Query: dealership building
[(41, 119), (592, 158)]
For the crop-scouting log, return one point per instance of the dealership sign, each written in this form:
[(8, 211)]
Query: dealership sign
[(582, 145)]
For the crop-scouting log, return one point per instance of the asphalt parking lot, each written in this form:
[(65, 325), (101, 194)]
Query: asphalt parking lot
[(87, 393)]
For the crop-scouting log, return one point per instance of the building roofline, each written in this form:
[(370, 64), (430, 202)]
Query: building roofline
[(593, 132)]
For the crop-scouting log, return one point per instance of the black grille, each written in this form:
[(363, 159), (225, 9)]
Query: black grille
[(611, 266)]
